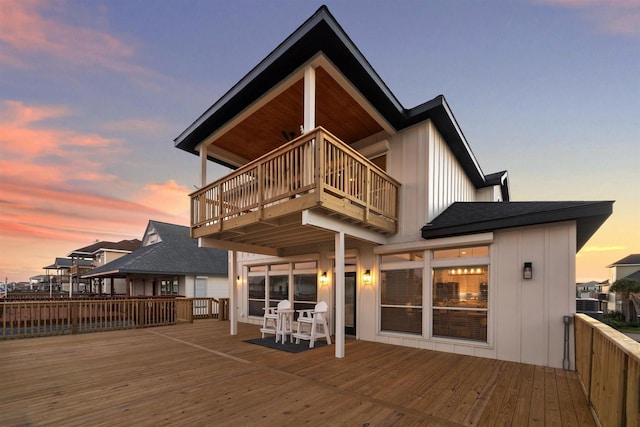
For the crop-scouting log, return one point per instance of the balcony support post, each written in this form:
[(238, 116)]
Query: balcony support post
[(309, 99), (233, 293), (203, 166), (339, 314)]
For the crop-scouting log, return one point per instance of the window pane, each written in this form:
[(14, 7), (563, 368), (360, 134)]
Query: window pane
[(256, 308), (279, 267), (461, 287), (305, 265), (402, 287), (460, 324), (475, 251), (401, 319), (411, 256), (305, 287), (256, 287), (278, 288)]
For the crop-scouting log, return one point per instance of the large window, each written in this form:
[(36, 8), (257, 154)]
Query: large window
[(169, 287), (269, 284), (401, 293), (257, 295), (460, 293)]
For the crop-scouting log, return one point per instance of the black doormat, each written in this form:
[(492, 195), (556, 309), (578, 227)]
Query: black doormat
[(290, 347)]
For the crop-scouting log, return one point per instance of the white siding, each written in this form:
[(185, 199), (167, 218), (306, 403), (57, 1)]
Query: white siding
[(431, 177), (448, 182), (529, 313)]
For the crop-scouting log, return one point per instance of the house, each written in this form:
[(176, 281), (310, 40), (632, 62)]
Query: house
[(341, 194), (59, 274), (624, 267), (100, 253), (169, 262)]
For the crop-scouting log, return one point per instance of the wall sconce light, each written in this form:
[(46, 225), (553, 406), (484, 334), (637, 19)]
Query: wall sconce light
[(527, 270), (366, 277), (238, 280), (324, 279)]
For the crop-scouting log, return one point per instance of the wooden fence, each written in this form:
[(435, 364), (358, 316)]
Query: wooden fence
[(25, 319), (608, 363)]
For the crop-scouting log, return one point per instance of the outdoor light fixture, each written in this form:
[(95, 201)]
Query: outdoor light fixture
[(324, 279), (366, 277), (527, 270), (238, 280)]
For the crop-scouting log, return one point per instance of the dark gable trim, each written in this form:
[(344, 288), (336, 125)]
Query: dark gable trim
[(464, 218), (322, 33)]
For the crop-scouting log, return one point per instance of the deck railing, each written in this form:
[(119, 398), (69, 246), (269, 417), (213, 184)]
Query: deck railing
[(316, 162), (27, 319), (608, 363)]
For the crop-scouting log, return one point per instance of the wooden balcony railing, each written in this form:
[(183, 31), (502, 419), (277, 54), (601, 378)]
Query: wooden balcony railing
[(315, 163), (608, 363)]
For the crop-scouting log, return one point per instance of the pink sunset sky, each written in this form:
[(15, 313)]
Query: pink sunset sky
[(92, 95)]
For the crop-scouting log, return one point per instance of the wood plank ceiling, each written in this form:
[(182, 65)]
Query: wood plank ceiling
[(263, 130)]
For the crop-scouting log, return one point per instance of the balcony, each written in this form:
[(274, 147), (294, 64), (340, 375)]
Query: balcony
[(262, 202)]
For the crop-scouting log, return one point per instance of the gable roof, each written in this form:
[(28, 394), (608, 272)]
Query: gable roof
[(321, 33), (122, 245), (633, 259), (176, 254), (635, 276), (477, 217)]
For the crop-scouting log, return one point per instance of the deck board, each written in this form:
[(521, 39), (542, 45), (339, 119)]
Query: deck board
[(197, 374)]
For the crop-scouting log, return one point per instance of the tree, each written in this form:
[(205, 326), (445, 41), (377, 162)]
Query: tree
[(627, 288)]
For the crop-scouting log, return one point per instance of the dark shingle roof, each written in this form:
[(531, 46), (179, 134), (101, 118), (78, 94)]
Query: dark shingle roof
[(176, 254), (633, 259), (635, 276), (122, 245), (477, 217)]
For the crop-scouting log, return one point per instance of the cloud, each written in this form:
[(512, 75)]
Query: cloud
[(609, 16), (168, 196), (30, 151), (148, 127), (34, 30), (588, 249), (56, 191)]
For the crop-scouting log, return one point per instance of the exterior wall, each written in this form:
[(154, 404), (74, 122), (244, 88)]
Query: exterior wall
[(216, 287), (618, 272), (431, 178), (489, 194), (529, 313), (525, 318)]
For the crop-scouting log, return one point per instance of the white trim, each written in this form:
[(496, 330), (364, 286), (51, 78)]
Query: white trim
[(445, 242)]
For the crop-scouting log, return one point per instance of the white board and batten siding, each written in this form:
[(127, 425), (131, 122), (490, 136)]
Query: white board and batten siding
[(431, 177), (529, 314)]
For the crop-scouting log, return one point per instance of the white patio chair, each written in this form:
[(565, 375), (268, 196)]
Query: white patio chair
[(312, 324), (270, 319)]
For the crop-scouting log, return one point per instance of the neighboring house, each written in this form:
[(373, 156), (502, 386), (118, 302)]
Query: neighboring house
[(624, 267), (627, 267), (100, 253), (59, 274), (590, 289), (340, 194), (168, 262)]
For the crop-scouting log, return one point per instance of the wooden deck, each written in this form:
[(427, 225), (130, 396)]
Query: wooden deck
[(197, 374)]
